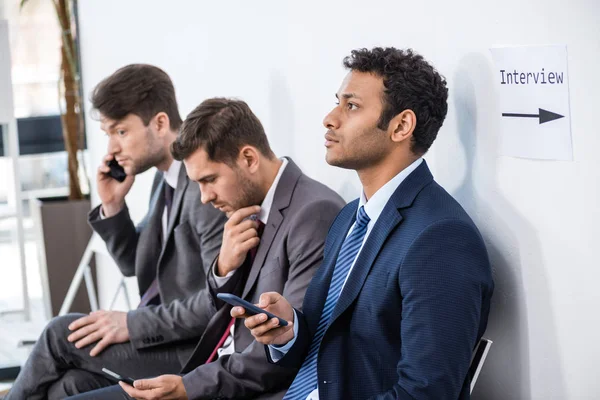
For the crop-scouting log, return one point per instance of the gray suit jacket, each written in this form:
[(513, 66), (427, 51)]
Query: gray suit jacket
[(194, 238), (290, 251)]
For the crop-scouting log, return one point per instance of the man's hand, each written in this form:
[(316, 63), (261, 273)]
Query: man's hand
[(104, 327), (268, 331), (165, 387), (239, 236), (111, 192)]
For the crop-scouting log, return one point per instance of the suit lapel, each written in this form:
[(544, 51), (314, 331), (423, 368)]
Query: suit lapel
[(273, 224), (281, 200), (209, 339), (157, 205), (322, 279), (389, 219), (151, 230), (182, 183)]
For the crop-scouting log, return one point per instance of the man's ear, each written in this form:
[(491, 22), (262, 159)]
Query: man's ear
[(249, 158), (402, 126), (162, 123)]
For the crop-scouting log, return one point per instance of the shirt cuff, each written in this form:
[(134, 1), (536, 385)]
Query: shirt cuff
[(220, 281), (101, 213), (278, 352)]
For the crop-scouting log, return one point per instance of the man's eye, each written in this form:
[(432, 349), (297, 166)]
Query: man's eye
[(120, 132), (351, 106)]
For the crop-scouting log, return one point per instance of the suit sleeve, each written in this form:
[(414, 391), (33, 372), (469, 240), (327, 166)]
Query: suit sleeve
[(120, 235), (184, 318), (175, 321), (294, 357), (179, 319), (443, 279), (246, 374)]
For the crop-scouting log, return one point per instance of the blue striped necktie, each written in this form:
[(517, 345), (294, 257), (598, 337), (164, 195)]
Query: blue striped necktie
[(306, 380)]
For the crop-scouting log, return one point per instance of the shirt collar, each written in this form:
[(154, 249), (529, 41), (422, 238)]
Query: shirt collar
[(374, 207), (172, 174), (265, 207)]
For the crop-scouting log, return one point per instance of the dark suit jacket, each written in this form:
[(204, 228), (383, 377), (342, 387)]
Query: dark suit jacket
[(194, 238), (413, 308), (289, 253)]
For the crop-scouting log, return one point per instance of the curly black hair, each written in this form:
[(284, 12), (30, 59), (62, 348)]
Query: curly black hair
[(410, 83)]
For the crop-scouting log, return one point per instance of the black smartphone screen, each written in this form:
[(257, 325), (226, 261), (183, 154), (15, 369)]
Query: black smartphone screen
[(116, 171), (118, 377), (250, 308)]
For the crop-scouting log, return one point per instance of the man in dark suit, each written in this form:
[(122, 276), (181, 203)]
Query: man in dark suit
[(403, 294), (169, 252), (273, 241)]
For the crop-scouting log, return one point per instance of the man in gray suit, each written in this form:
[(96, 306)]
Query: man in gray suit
[(278, 244), (169, 252)]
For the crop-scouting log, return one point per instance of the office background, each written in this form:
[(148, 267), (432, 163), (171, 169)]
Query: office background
[(540, 219)]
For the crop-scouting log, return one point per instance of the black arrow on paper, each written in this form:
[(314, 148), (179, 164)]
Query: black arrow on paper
[(544, 115)]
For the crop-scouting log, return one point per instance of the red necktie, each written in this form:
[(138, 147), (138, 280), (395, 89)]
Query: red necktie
[(211, 358)]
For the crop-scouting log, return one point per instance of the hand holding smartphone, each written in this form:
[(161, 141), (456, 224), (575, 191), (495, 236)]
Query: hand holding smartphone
[(250, 308), (118, 377)]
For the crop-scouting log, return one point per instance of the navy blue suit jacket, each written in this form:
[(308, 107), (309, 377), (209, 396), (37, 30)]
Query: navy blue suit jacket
[(412, 310)]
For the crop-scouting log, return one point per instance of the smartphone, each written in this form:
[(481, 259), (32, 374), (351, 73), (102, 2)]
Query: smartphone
[(250, 308), (116, 171), (118, 377)]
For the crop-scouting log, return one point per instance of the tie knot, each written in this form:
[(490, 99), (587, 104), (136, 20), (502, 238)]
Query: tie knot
[(261, 227), (362, 219)]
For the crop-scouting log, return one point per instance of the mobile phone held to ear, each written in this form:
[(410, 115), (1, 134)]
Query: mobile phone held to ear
[(116, 171), (250, 308), (118, 377)]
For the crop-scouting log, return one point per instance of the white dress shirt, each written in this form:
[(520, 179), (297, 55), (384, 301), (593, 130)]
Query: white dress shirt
[(171, 178), (373, 207), (265, 208)]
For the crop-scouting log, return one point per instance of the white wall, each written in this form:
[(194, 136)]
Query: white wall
[(540, 218)]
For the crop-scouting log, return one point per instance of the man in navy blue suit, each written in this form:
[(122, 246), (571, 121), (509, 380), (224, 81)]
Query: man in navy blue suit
[(403, 293)]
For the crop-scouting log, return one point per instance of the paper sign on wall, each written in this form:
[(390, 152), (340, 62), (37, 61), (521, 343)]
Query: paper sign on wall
[(535, 119)]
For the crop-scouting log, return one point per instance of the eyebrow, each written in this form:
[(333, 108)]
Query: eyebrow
[(114, 124), (348, 96), (206, 178)]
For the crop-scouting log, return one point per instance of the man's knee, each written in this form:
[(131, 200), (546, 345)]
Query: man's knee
[(57, 330), (61, 323)]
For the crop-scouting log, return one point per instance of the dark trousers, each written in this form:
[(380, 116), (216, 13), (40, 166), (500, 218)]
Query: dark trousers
[(108, 393), (57, 369)]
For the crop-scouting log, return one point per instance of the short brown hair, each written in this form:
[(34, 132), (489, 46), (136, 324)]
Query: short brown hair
[(222, 127), (140, 89)]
